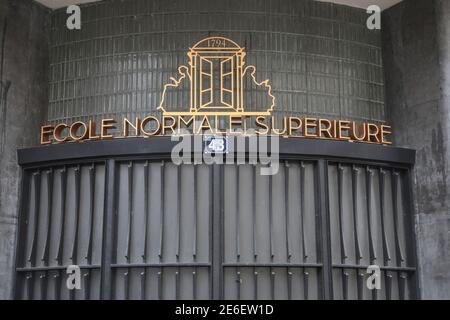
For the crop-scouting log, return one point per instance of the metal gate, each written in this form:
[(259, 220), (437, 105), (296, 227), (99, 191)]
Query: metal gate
[(148, 229)]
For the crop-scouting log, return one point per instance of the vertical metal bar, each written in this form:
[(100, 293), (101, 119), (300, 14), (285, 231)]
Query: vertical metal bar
[(194, 284), (161, 231), (146, 211), (341, 230), (73, 256), (130, 228), (345, 284), (360, 284), (402, 286), (177, 284), (255, 277), (340, 200), (255, 248), (57, 277), (130, 212), (36, 214), (388, 286), (146, 214), (395, 182), (37, 205), (305, 284), (216, 234), (239, 281), (286, 203), (374, 294), (195, 200), (63, 177), (272, 284), (386, 254), (45, 255), (126, 284), (91, 214), (143, 283), (87, 285), (178, 230), (359, 280), (221, 228), (302, 181), (30, 286), (322, 200), (289, 283), (160, 287), (44, 284), (74, 251), (369, 177), (42, 279), (108, 236), (272, 254), (355, 173), (237, 223)]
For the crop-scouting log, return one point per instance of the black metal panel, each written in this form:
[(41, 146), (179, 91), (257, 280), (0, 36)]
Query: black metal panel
[(161, 147), (61, 222)]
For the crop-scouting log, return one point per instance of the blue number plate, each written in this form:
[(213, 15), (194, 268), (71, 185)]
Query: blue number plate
[(216, 144)]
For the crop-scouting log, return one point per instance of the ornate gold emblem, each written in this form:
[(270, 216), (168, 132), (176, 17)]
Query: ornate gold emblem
[(216, 79), (216, 93)]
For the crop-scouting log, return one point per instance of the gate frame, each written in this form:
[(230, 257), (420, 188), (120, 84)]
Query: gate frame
[(112, 152)]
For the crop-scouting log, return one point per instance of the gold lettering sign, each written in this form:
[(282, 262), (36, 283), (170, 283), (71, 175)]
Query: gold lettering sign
[(218, 81)]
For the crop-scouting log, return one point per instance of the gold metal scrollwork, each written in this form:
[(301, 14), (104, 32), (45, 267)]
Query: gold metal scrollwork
[(216, 76)]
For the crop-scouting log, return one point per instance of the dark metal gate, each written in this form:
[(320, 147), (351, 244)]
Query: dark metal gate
[(144, 228)]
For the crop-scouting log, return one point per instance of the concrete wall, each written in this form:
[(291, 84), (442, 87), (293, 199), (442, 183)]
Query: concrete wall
[(416, 54), (416, 57), (25, 66)]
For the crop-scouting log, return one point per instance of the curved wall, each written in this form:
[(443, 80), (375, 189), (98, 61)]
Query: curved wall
[(320, 57)]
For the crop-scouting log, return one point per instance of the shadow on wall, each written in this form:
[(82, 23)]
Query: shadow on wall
[(4, 85)]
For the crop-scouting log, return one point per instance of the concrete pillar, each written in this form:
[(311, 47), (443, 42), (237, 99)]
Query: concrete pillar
[(416, 53), (443, 28), (25, 70)]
